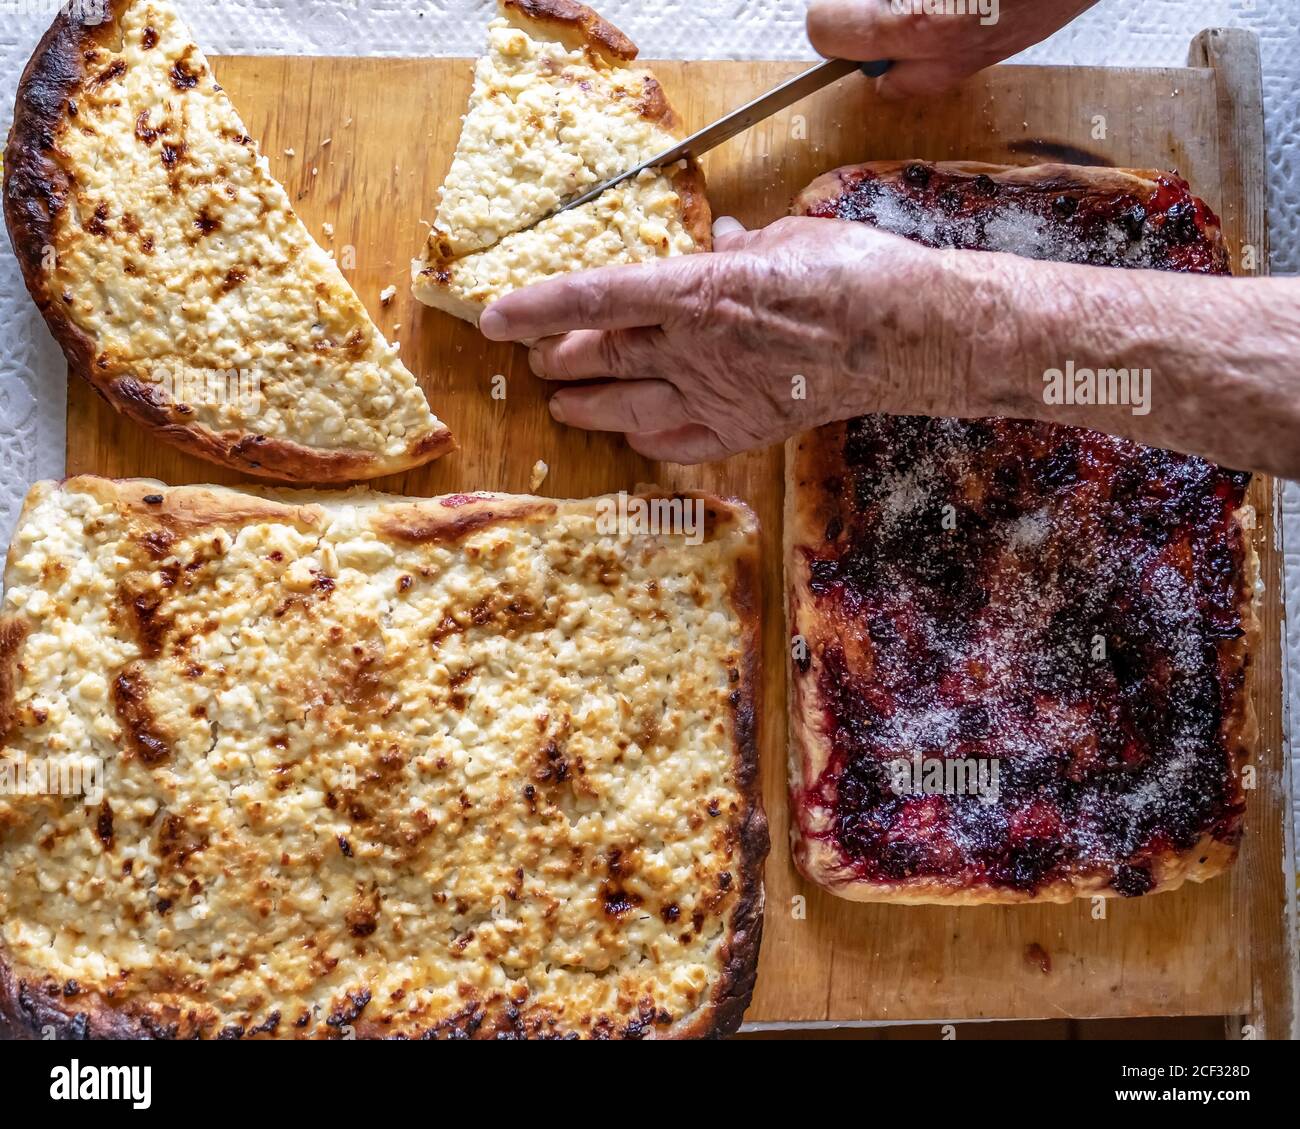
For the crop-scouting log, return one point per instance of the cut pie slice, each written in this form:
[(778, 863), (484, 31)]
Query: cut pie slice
[(174, 273), (557, 107)]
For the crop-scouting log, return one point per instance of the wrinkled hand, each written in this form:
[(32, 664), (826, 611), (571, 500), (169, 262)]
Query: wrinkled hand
[(778, 331), (933, 53)]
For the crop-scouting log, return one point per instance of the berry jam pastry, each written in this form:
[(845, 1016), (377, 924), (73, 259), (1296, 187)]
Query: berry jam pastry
[(1019, 651), (1105, 217)]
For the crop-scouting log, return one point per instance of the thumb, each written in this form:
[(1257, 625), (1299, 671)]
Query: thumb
[(727, 232)]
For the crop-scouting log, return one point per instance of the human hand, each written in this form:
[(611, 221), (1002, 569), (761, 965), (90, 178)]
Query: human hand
[(778, 331), (933, 53)]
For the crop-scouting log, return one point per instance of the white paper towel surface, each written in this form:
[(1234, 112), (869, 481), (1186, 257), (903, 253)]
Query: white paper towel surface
[(1114, 33)]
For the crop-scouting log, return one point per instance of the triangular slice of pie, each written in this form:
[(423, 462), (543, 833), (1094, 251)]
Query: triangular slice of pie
[(558, 105), (173, 271)]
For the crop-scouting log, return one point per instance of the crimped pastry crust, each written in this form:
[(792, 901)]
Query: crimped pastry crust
[(154, 240), (813, 517), (499, 776)]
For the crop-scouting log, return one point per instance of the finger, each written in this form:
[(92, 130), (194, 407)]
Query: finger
[(590, 354), (623, 297), (850, 29), (639, 405), (922, 78), (726, 231), (693, 443)]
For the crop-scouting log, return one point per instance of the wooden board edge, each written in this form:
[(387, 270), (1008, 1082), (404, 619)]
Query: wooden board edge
[(1233, 55)]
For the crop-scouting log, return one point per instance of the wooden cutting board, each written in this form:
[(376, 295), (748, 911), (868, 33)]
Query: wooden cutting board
[(371, 140)]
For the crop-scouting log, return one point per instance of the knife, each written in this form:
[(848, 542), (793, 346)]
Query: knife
[(724, 129)]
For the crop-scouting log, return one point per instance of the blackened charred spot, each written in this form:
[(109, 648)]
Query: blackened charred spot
[(172, 153), (177, 842), (114, 70), (349, 1011), (144, 133), (182, 76), (104, 825), (149, 39), (131, 704), (345, 847), (362, 916), (206, 222), (268, 1026), (98, 222), (616, 901), (554, 767), (235, 276)]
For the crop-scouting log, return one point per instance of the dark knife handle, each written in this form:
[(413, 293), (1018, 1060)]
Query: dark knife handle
[(876, 69)]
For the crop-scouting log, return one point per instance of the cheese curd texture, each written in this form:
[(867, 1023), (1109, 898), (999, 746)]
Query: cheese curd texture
[(374, 764), (178, 254), (633, 222), (545, 123)]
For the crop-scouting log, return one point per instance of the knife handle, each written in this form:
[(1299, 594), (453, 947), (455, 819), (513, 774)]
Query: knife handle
[(876, 69)]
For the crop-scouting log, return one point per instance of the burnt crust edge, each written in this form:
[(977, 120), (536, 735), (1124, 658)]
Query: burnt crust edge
[(735, 990), (13, 634), (575, 25), (697, 212), (36, 187)]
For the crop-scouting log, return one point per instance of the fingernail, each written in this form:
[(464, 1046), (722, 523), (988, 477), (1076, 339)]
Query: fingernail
[(535, 361), (493, 326), (557, 409)]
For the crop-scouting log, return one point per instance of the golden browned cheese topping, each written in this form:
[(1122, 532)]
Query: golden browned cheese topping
[(546, 121), (464, 765), (180, 257), (549, 119)]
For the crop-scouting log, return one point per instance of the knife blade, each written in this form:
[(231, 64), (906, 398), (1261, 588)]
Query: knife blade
[(724, 129)]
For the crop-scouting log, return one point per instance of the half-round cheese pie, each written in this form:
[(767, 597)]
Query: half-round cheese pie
[(174, 273)]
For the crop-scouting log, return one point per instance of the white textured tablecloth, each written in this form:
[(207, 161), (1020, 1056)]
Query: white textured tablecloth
[(1115, 33)]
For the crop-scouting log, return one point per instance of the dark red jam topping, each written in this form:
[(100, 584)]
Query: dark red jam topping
[(1164, 230), (1053, 599)]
